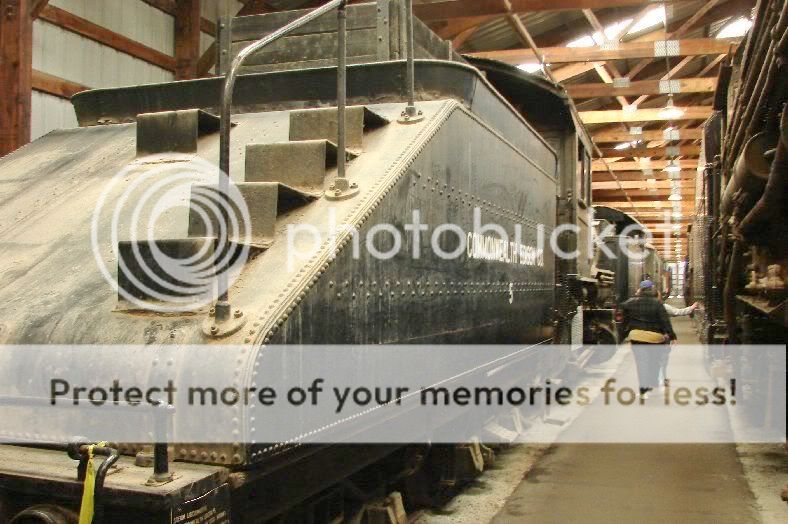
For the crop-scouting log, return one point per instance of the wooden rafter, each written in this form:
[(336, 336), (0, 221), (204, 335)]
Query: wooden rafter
[(448, 9), (644, 87), (618, 136), (638, 184), (625, 50), (640, 176), (681, 31), (608, 71), (643, 115), (691, 150), (641, 166)]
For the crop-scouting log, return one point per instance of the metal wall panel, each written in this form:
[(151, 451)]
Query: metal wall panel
[(78, 59), (50, 112)]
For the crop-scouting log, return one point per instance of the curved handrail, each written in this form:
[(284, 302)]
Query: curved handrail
[(223, 308)]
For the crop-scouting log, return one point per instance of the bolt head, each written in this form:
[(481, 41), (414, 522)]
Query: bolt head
[(214, 329)]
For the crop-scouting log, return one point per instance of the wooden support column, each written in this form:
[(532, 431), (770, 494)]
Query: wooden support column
[(187, 38), (16, 73)]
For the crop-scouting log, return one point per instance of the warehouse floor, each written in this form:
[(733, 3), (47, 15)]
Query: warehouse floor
[(642, 483), (590, 483)]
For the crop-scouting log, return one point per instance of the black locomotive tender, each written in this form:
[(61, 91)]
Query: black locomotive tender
[(484, 135)]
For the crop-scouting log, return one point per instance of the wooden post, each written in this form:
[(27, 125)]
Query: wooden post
[(187, 38), (16, 72)]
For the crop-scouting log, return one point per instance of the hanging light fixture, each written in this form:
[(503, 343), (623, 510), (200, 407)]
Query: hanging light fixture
[(672, 167), (674, 197), (671, 111)]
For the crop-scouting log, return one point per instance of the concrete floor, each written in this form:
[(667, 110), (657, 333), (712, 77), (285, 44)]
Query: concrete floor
[(641, 483)]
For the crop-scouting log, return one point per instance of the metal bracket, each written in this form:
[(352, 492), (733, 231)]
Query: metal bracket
[(214, 327), (407, 119), (342, 189)]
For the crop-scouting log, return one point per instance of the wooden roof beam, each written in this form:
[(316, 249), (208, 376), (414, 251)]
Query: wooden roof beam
[(624, 50), (690, 151), (643, 115), (639, 176), (647, 135), (638, 184), (448, 9), (644, 87), (655, 165)]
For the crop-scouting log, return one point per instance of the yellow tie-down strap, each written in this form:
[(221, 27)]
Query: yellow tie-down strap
[(649, 337), (89, 488)]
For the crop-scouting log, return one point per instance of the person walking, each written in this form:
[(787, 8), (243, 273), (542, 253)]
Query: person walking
[(648, 327)]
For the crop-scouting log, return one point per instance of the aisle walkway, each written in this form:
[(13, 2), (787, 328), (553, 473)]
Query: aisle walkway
[(612, 483)]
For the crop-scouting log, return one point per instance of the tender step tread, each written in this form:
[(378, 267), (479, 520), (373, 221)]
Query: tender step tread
[(173, 131), (264, 200), (300, 164), (321, 123)]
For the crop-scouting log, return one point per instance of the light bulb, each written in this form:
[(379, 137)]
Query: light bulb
[(672, 167), (670, 111)]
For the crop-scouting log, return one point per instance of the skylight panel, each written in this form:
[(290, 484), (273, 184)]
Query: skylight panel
[(738, 27), (651, 19), (530, 68)]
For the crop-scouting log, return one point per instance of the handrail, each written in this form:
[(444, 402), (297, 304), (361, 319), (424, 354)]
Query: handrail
[(223, 308)]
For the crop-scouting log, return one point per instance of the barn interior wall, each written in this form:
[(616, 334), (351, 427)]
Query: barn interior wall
[(67, 55)]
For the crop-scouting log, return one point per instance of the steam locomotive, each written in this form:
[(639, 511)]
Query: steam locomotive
[(737, 256), (483, 136)]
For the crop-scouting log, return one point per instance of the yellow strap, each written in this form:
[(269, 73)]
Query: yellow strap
[(89, 489), (649, 337)]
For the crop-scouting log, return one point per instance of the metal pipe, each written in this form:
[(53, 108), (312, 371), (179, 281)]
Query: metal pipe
[(771, 202), (223, 309), (731, 286), (410, 110), (341, 89)]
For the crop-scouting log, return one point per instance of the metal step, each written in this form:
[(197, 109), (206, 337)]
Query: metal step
[(264, 200), (321, 124), (300, 164), (173, 131)]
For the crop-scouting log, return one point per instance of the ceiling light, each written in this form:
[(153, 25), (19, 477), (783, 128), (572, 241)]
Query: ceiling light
[(672, 167), (677, 227), (677, 214), (670, 111), (675, 197), (625, 145)]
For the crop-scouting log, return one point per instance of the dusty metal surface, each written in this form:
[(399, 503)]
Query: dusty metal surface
[(402, 168)]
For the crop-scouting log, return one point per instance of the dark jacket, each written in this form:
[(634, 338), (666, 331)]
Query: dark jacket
[(646, 313)]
